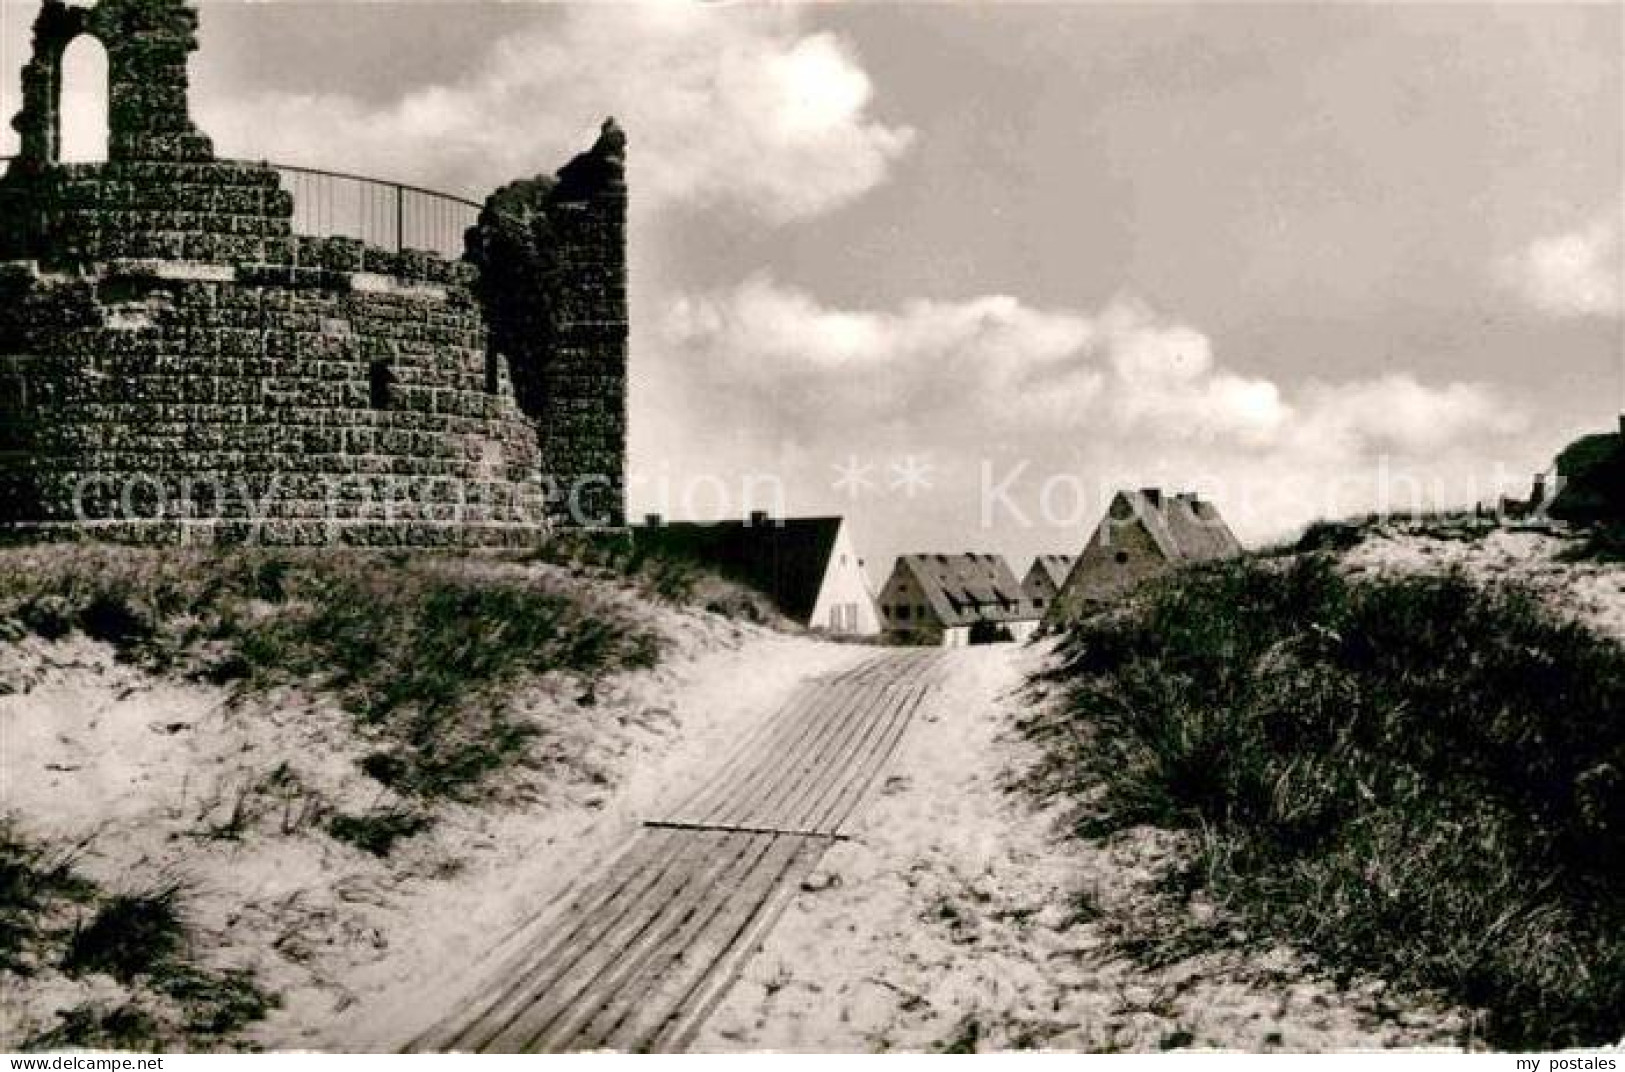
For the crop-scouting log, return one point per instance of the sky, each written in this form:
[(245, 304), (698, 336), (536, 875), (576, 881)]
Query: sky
[(960, 271)]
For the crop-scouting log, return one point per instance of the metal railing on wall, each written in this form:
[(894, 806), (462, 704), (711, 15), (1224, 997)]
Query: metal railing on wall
[(390, 215)]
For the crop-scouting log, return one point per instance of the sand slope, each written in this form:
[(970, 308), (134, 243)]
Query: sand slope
[(953, 919), (161, 780)]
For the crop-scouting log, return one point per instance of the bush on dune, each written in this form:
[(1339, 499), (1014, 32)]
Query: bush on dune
[(1414, 777), (131, 934), (1601, 543)]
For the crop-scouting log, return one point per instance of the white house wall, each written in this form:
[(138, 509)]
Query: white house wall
[(846, 587)]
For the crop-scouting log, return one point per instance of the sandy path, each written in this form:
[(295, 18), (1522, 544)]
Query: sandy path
[(363, 952), (634, 958)]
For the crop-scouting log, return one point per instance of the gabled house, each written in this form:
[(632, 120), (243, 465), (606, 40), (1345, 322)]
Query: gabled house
[(1143, 535), (956, 600), (1044, 580), (806, 566)]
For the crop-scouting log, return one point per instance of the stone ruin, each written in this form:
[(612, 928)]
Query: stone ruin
[(177, 365)]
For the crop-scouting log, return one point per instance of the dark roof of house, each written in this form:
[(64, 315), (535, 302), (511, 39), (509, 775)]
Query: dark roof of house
[(1055, 567), (783, 558), (1184, 528), (969, 588)]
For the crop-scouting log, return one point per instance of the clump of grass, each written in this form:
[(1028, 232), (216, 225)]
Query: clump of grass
[(1340, 536), (621, 558), (960, 920), (378, 831), (1412, 777), (422, 637), (118, 621), (93, 1026), (966, 1038), (215, 1005), (1179, 1039), (211, 1008), (1601, 543), (1083, 907), (244, 803), (139, 939), (48, 616), (420, 648), (1332, 536)]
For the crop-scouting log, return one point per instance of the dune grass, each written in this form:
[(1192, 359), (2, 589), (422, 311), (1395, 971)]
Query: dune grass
[(32, 879), (660, 575), (131, 934), (1602, 543), (422, 649), (378, 831), (125, 1027), (1416, 778)]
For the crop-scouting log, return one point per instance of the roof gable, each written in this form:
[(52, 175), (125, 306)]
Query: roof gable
[(968, 588), (1054, 568), (1183, 527)]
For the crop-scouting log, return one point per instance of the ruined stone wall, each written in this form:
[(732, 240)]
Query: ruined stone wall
[(213, 212), (552, 258), (584, 426), (148, 43)]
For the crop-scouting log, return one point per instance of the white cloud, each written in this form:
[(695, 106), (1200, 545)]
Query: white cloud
[(1397, 415), (729, 106), (764, 377), (1166, 385), (1574, 274), (931, 365)]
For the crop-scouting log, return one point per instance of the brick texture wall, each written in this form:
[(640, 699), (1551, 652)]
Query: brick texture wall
[(148, 43), (214, 212), (296, 404), (552, 257), (584, 427)]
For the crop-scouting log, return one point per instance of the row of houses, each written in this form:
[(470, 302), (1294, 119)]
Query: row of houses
[(810, 569)]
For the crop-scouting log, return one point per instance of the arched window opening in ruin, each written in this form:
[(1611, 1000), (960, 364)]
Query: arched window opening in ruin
[(380, 384), (83, 107)]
